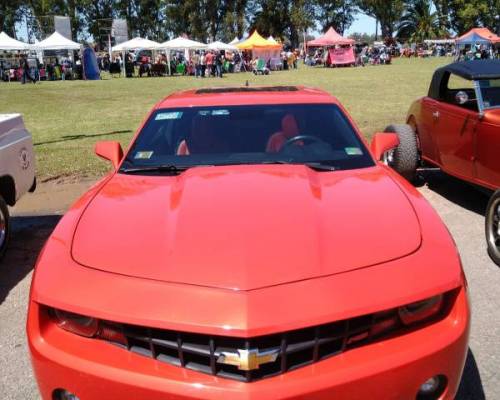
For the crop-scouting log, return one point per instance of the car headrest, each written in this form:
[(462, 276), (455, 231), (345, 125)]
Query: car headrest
[(289, 126)]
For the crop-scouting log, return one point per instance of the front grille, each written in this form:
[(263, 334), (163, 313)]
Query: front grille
[(295, 348)]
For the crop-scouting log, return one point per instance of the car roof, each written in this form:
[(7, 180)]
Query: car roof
[(470, 70), (246, 95), (474, 69)]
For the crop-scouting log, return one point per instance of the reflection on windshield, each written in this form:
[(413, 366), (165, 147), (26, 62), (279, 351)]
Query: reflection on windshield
[(312, 134), (490, 93)]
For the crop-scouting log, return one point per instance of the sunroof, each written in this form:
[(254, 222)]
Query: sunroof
[(246, 89)]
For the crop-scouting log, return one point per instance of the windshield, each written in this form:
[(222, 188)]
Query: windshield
[(490, 93), (250, 134)]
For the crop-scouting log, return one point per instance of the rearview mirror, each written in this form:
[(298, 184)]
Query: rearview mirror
[(383, 142), (461, 97), (111, 151)]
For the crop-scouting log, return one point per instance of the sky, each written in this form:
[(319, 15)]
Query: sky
[(362, 24)]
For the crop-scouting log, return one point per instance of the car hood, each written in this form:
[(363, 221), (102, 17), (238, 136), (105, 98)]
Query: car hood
[(245, 227)]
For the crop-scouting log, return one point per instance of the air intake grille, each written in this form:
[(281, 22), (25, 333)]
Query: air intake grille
[(292, 349)]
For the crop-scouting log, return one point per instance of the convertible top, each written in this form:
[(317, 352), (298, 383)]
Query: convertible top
[(475, 69), (470, 70)]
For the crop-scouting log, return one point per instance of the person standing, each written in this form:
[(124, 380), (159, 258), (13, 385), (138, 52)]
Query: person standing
[(203, 64), (209, 58), (26, 71), (219, 61), (196, 62)]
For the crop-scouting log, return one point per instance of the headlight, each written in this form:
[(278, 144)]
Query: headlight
[(88, 327), (420, 310), (76, 323)]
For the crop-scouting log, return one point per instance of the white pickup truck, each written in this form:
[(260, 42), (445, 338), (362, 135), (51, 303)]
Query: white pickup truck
[(17, 169)]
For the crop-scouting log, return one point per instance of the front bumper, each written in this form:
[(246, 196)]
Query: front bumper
[(390, 369)]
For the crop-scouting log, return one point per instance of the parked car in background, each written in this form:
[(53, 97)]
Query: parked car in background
[(17, 169), (249, 245), (456, 127)]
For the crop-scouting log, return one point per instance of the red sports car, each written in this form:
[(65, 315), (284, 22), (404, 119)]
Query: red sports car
[(457, 128), (249, 245)]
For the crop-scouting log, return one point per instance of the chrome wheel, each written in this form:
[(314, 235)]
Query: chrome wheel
[(493, 228), (388, 158)]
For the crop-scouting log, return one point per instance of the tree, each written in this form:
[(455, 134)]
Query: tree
[(442, 10), (41, 12), (362, 37), (336, 13), (206, 19), (467, 14), (388, 13), (419, 22), (94, 12), (10, 14), (282, 18)]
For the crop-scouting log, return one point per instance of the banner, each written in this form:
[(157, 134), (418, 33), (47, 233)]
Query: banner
[(341, 56), (63, 26), (119, 30)]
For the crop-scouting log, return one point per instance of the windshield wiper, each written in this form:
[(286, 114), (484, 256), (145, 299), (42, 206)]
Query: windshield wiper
[(316, 165), (320, 166), (171, 169)]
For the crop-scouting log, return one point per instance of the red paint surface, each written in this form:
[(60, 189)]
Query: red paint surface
[(246, 251)]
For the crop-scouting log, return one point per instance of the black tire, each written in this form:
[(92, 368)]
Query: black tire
[(491, 227), (404, 158), (4, 227)]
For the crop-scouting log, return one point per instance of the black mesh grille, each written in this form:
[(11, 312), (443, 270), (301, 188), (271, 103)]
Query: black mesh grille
[(294, 349)]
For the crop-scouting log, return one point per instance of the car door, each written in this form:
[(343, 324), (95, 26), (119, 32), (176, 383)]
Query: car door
[(487, 157), (455, 128), (426, 133)]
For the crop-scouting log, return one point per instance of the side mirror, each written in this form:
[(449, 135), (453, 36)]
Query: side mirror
[(111, 151), (461, 97), (383, 142)]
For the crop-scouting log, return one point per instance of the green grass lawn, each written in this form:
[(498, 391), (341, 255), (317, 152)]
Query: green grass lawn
[(67, 118)]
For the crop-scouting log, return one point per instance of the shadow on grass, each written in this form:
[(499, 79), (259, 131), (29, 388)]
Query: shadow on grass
[(67, 138), (28, 236), (459, 192), (471, 387)]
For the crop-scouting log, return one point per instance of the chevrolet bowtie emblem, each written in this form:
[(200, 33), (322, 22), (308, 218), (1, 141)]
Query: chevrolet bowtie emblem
[(248, 360)]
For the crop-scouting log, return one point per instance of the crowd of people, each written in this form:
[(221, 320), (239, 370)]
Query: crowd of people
[(216, 63), (200, 63), (29, 69)]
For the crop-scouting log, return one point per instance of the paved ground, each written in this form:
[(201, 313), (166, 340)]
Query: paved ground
[(461, 207)]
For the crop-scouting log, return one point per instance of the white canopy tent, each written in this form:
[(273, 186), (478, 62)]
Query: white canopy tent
[(56, 41), (180, 43), (9, 44), (136, 44), (222, 46), (235, 40)]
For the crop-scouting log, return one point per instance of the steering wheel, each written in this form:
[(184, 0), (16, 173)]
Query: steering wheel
[(301, 138)]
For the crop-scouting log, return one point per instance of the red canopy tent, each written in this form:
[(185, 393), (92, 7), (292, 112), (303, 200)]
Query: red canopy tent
[(330, 38), (338, 55), (478, 35)]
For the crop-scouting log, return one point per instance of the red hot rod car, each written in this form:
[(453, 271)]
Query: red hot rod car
[(457, 128)]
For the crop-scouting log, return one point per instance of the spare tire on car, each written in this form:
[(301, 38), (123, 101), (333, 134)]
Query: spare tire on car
[(404, 159)]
